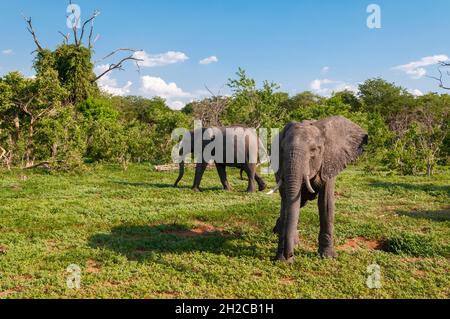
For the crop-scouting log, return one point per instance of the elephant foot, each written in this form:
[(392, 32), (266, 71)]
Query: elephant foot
[(196, 189), (284, 260), (251, 190), (262, 187), (328, 252)]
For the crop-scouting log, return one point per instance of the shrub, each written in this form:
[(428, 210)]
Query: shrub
[(414, 245)]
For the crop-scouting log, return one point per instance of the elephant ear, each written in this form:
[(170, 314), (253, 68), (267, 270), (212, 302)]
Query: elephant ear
[(344, 142)]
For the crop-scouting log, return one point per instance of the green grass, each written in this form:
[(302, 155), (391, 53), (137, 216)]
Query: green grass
[(135, 236)]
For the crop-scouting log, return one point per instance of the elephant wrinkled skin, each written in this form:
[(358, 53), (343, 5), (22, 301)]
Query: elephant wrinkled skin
[(312, 154)]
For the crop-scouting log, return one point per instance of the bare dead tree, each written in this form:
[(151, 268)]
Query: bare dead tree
[(209, 110), (65, 36), (120, 50), (33, 33), (440, 78), (91, 21), (78, 41), (119, 65)]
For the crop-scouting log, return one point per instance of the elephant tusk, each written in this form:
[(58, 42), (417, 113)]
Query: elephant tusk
[(276, 188), (308, 185)]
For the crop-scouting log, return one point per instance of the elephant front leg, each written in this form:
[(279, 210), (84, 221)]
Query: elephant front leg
[(199, 171), (250, 169), (277, 230), (326, 211)]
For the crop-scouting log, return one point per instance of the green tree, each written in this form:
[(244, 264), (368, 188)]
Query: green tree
[(252, 106), (380, 96)]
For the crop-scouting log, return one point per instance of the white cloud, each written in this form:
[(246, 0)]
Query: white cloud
[(157, 86), (209, 60), (109, 84), (325, 70), (416, 69), (154, 86), (327, 86), (155, 60), (416, 92), (176, 105), (7, 51)]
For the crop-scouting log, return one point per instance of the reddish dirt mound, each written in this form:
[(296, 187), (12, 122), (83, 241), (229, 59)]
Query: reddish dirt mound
[(92, 266), (201, 229), (361, 242), (5, 293), (287, 281), (3, 250)]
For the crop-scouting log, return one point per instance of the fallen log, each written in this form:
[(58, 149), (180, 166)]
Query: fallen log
[(174, 167)]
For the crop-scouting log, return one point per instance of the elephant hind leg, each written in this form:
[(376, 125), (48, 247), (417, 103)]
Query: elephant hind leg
[(221, 170), (261, 183), (250, 169), (199, 171)]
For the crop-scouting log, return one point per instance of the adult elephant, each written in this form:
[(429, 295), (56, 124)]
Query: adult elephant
[(311, 155), (234, 146)]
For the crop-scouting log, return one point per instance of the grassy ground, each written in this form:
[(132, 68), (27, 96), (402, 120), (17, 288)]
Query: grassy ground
[(134, 236)]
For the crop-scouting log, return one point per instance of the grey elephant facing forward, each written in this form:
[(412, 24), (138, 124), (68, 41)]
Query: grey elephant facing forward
[(312, 154)]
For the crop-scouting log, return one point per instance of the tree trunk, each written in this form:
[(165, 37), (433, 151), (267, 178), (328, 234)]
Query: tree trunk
[(29, 148)]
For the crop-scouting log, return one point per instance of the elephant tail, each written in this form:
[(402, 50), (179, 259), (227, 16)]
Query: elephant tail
[(181, 173), (276, 188)]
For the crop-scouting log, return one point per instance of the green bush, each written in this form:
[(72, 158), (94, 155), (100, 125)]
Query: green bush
[(415, 245)]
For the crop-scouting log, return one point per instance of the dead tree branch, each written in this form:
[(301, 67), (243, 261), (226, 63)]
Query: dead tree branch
[(32, 32), (65, 36), (119, 65), (440, 78), (3, 152), (91, 21), (120, 50), (45, 164)]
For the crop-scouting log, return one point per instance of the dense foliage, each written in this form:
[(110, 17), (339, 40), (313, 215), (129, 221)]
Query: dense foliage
[(61, 118)]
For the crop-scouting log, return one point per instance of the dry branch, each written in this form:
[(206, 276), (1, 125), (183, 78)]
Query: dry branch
[(33, 34), (119, 65), (440, 78), (90, 20), (45, 164)]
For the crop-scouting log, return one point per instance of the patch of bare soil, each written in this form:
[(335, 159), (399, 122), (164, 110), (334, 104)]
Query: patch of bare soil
[(93, 266), (168, 295), (5, 293), (3, 250), (287, 281), (200, 229), (361, 243)]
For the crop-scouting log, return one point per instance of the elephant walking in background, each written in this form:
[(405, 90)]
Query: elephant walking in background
[(244, 154), (312, 154)]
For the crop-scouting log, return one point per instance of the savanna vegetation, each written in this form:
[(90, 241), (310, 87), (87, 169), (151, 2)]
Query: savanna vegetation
[(77, 187), (135, 236)]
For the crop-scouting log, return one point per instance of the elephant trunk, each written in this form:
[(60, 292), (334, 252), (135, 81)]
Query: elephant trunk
[(293, 179)]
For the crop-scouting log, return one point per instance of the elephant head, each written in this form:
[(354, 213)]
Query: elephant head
[(186, 146), (311, 153)]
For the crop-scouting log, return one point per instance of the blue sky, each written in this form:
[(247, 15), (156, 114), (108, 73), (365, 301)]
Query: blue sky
[(302, 45)]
